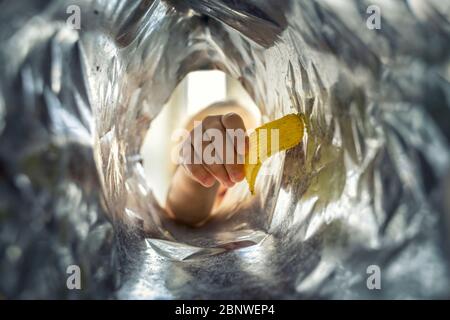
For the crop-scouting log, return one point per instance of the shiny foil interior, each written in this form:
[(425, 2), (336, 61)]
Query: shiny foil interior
[(368, 185)]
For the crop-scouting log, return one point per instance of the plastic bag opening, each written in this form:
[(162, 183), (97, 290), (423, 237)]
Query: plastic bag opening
[(366, 188)]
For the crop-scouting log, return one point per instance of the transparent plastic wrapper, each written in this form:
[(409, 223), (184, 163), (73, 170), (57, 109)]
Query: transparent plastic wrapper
[(367, 188)]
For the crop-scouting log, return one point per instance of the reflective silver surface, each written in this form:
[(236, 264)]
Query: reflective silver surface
[(369, 185)]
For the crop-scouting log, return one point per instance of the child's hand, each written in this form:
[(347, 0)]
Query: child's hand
[(215, 150)]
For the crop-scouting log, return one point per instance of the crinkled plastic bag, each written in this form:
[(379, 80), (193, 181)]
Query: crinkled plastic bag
[(366, 190)]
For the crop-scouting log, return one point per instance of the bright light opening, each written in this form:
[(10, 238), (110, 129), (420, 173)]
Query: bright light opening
[(205, 88), (197, 91)]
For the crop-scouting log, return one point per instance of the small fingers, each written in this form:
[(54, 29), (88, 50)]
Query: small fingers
[(197, 171), (236, 131), (236, 141), (220, 173), (219, 143), (200, 174)]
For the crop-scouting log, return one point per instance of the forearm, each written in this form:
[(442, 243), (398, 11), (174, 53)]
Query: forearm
[(188, 201)]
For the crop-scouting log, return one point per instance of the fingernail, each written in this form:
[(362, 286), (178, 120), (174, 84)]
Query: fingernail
[(208, 182), (237, 176)]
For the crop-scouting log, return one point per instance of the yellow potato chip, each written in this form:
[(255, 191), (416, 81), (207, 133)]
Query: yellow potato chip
[(270, 138)]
